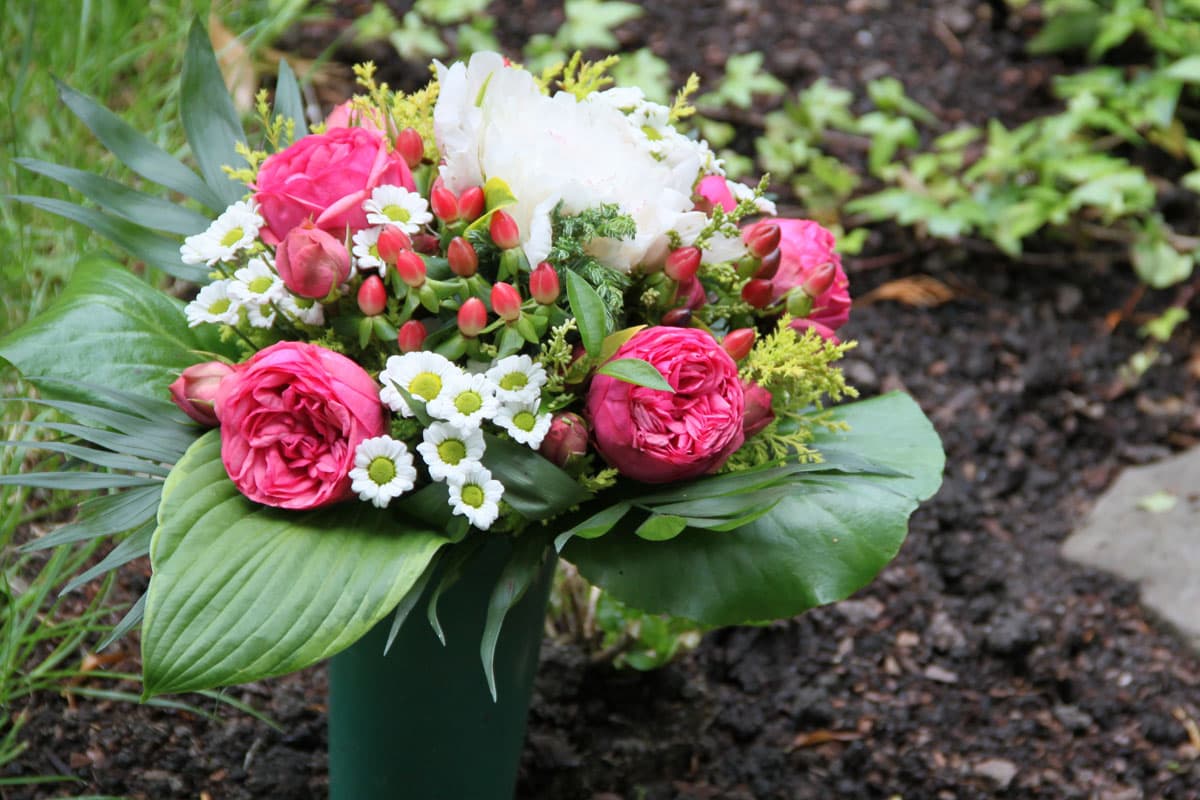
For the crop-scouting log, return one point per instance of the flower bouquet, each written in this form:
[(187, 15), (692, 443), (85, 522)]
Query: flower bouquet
[(441, 339)]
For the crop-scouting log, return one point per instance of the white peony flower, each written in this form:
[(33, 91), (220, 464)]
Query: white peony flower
[(383, 470)]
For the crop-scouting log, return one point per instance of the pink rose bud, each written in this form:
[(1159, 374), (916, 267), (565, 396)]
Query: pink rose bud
[(372, 297), (566, 439), (677, 318), (472, 317), (757, 293), (769, 265), (392, 241), (682, 263), (543, 284), (504, 231), (464, 261), (411, 336), (196, 388), (470, 204), (506, 301), (819, 280), (758, 413), (761, 238), (798, 303), (311, 262), (738, 343), (411, 269), (692, 293), (410, 147), (426, 243), (444, 204)]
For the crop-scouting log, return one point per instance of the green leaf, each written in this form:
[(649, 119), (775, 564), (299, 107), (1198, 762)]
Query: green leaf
[(289, 103), (588, 309), (596, 525), (209, 118), (131, 620), (136, 151), (135, 546), (408, 603), (104, 516), (140, 333), (101, 458), (241, 592), (589, 23), (638, 372), (532, 485), (1158, 264), (529, 553), (820, 543), (659, 528), (453, 562)]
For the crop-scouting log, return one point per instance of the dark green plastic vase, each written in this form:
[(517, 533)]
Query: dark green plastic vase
[(420, 723)]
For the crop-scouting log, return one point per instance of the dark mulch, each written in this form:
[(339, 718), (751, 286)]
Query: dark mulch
[(979, 664)]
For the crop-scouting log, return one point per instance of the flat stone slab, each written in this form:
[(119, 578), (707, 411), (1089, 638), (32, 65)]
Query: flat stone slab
[(1146, 528)]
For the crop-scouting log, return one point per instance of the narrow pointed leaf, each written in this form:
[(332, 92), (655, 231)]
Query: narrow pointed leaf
[(636, 371), (596, 525), (136, 545), (451, 570), (289, 102), (104, 516), (407, 604), (131, 620), (75, 481), (101, 458), (660, 528), (209, 118), (522, 567), (588, 310)]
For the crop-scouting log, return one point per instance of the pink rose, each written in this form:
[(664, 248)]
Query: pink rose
[(758, 409), (196, 388), (566, 439), (804, 246), (325, 178), (291, 419), (714, 191), (656, 436), (346, 115), (311, 262)]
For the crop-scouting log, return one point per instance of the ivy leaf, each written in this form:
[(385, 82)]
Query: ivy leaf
[(589, 23), (744, 78)]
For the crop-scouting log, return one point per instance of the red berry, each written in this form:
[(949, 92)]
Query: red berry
[(411, 336), (757, 293), (472, 317), (769, 265), (506, 301), (411, 147), (372, 296), (392, 241), (444, 204), (682, 263), (464, 261), (470, 204), (504, 230), (543, 284), (426, 243), (761, 238), (411, 269), (819, 280), (677, 318), (738, 343)]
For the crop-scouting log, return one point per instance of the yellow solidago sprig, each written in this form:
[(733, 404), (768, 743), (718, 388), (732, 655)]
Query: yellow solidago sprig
[(403, 110), (579, 77)]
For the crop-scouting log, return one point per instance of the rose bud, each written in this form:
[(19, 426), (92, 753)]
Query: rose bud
[(757, 293), (372, 297), (677, 318), (692, 293), (682, 263), (194, 390), (472, 317), (311, 262), (798, 303), (411, 336), (506, 301), (426, 243), (566, 439), (504, 230), (758, 414), (543, 284), (444, 204), (411, 269), (392, 241), (769, 265), (738, 343), (470, 204), (761, 238), (411, 147), (464, 261), (819, 280)]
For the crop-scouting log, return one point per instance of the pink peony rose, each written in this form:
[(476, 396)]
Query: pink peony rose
[(291, 419), (656, 436), (758, 409), (714, 191), (325, 178), (805, 245), (196, 388), (346, 116)]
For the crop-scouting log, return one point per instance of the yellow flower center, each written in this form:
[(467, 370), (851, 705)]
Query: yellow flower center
[(232, 237), (219, 306), (473, 496), (514, 381), (381, 470), (468, 402), (524, 420), (396, 213), (260, 285), (452, 451), (426, 385)]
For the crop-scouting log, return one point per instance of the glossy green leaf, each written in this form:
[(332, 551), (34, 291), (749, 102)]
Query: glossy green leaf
[(241, 592), (454, 561), (528, 555), (638, 372), (588, 310), (209, 118), (289, 102), (532, 485), (659, 528), (596, 525)]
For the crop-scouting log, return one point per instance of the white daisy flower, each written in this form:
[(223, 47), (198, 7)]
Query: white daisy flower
[(260, 316), (257, 283), (395, 205), (383, 470), (466, 401), (523, 422), (366, 251), (213, 304), (422, 374), (475, 494), (447, 449), (302, 309), (233, 231), (517, 379)]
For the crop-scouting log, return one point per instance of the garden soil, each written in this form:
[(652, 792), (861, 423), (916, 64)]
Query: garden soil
[(979, 664)]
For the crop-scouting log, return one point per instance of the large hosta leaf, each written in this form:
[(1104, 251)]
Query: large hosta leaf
[(821, 543), (242, 592), (107, 328)]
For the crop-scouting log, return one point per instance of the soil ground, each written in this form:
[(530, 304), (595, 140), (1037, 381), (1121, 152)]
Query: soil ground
[(979, 664)]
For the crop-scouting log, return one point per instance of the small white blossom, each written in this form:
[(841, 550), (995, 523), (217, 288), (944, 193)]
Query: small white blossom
[(523, 422), (302, 309), (214, 304), (466, 401), (741, 191), (383, 470), (395, 205), (517, 379), (447, 449), (366, 252), (257, 282), (422, 374), (233, 231), (475, 494)]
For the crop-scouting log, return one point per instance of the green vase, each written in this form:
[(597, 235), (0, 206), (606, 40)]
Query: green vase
[(420, 723)]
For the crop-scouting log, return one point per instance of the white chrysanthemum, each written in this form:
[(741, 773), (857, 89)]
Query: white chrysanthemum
[(466, 401), (302, 309), (366, 250), (517, 379), (741, 191), (447, 449), (395, 205), (523, 422), (233, 231), (213, 304), (494, 122), (257, 282), (383, 470), (475, 494), (422, 374)]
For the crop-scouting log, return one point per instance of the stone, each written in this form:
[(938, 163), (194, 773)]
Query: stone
[(1158, 550), (998, 772)]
